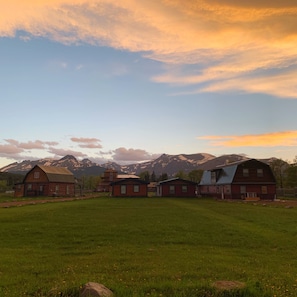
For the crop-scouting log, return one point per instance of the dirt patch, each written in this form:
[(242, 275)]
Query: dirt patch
[(228, 285), (39, 201)]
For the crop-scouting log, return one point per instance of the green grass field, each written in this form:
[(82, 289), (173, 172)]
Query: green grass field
[(148, 247)]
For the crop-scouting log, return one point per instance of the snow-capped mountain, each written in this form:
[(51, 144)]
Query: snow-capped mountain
[(172, 164), (79, 168), (169, 164)]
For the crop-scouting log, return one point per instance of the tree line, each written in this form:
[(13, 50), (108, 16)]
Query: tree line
[(285, 173), (194, 175)]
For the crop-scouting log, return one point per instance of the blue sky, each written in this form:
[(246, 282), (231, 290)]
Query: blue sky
[(128, 81)]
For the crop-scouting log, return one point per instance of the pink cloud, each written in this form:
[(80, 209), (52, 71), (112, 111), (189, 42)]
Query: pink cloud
[(283, 138), (123, 154)]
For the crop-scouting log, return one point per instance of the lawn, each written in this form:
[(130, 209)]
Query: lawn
[(148, 247)]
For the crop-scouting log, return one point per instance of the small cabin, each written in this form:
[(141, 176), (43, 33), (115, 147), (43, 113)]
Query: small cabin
[(177, 187), (129, 187)]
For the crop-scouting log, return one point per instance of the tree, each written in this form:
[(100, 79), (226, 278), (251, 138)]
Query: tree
[(291, 176), (145, 175), (195, 175), (279, 167), (90, 182), (181, 174), (153, 176), (163, 176)]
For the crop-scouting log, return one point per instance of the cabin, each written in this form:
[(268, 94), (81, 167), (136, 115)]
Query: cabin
[(248, 179), (177, 187), (129, 187), (47, 181)]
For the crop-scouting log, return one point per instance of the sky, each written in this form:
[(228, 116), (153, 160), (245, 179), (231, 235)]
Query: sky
[(126, 81)]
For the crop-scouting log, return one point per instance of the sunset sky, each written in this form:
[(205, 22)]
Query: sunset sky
[(128, 80)]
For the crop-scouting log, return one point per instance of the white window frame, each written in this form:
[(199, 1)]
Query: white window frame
[(184, 189), (123, 189)]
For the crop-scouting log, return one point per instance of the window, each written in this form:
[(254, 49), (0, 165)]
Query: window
[(171, 189), (259, 172), (67, 190), (213, 177), (136, 188), (184, 189), (264, 189), (29, 187), (245, 172), (36, 174), (123, 189)]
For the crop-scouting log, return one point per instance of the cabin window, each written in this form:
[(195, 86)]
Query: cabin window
[(29, 186), (264, 189), (36, 174), (67, 190), (213, 177), (123, 189), (184, 189), (259, 172), (245, 172), (136, 188), (171, 189)]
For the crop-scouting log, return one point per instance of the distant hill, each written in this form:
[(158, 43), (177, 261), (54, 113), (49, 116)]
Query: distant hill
[(170, 164)]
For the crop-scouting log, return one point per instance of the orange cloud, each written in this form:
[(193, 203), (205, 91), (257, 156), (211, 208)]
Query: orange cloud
[(227, 39), (285, 138)]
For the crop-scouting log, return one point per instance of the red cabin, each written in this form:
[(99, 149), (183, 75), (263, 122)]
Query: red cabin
[(129, 187), (176, 187)]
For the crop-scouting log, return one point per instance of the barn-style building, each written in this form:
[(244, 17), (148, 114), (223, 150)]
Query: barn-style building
[(176, 187), (47, 181), (248, 179)]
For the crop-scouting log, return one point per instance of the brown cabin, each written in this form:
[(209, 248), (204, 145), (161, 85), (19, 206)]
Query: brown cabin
[(176, 187), (249, 179), (110, 176), (47, 181), (129, 187)]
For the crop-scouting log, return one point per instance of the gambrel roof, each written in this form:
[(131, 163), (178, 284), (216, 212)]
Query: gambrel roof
[(224, 174), (56, 174)]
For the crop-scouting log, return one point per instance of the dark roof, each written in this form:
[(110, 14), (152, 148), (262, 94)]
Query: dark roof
[(57, 174), (176, 179), (135, 180), (226, 175)]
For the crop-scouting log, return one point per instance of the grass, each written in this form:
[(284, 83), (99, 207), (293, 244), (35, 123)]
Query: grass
[(148, 247)]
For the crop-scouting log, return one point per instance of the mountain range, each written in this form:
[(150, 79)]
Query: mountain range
[(170, 164)]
